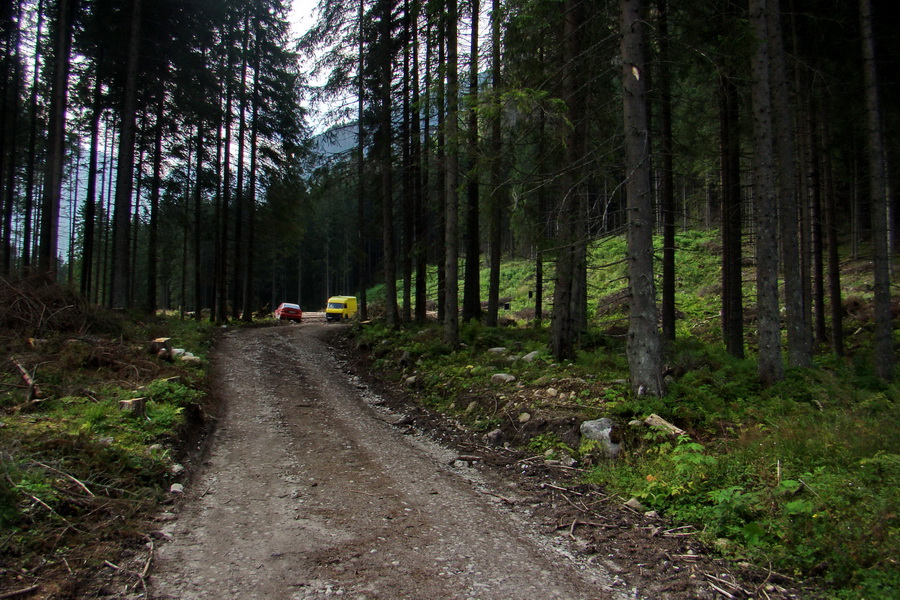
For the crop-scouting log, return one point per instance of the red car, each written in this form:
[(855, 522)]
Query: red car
[(289, 312)]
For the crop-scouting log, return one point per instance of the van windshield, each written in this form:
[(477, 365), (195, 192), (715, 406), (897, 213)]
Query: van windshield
[(335, 305)]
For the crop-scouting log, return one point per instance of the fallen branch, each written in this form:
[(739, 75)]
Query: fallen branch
[(561, 489), (721, 591), (507, 500), (49, 468), (138, 575), (726, 583), (150, 557), (34, 391), (21, 592), (657, 421)]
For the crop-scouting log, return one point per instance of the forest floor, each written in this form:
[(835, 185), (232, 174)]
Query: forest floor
[(318, 482)]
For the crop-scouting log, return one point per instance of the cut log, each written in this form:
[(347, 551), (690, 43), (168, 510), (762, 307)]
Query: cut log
[(657, 421)]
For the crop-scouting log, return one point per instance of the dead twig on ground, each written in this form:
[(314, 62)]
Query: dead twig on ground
[(140, 577), (561, 489), (34, 392), (21, 592), (64, 474), (505, 499)]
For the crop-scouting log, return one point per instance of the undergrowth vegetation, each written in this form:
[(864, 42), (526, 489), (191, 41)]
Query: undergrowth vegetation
[(802, 477), (92, 427)]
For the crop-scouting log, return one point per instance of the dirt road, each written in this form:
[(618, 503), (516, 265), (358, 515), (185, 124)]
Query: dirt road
[(309, 491)]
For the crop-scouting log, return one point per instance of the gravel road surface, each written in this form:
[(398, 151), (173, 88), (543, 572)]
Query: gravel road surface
[(309, 490)]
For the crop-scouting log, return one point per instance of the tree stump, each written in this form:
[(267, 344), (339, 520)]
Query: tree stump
[(136, 406), (162, 347)]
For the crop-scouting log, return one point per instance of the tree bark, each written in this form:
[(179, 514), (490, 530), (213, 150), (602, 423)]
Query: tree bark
[(155, 187), (643, 348), (361, 168), (732, 216), (384, 143), (451, 168), (121, 248), (90, 202), (248, 279), (884, 343), (407, 170), (566, 292), (198, 212), (50, 203), (31, 166), (420, 170), (471, 309), (440, 159), (239, 242), (799, 331), (831, 229), (666, 189), (498, 191), (770, 365)]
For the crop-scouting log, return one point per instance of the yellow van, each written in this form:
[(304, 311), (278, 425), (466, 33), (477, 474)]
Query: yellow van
[(340, 307)]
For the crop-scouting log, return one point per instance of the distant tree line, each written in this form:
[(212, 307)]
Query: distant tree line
[(144, 145)]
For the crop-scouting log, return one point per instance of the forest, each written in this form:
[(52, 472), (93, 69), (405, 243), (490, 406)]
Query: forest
[(685, 210), (201, 157)]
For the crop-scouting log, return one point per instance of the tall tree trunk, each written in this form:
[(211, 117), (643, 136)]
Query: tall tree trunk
[(542, 219), (770, 366), (155, 187), (31, 166), (666, 191), (361, 169), (440, 159), (407, 170), (248, 279), (90, 202), (498, 191), (50, 203), (831, 229), (796, 306), (121, 254), (384, 142), (818, 251), (420, 177), (732, 216), (198, 216), (11, 101), (643, 347), (135, 228), (884, 343), (564, 327), (451, 168), (237, 287), (220, 307), (471, 309)]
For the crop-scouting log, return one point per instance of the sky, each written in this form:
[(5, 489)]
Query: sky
[(302, 15)]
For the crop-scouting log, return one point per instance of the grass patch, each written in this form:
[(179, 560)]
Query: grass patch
[(75, 468)]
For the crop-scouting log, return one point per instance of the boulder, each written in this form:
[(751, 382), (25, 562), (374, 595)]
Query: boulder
[(531, 356), (605, 433), (502, 378), (495, 437)]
